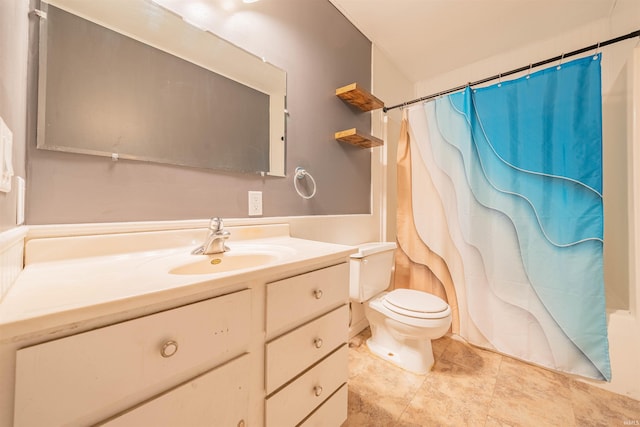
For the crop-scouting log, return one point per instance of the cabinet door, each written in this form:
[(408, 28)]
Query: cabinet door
[(218, 398), (85, 378), (314, 293), (331, 413), (290, 405), (292, 353)]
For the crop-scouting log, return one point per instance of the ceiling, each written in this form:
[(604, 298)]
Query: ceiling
[(425, 38)]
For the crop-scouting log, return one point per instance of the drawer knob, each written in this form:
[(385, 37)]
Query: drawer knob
[(317, 390), (169, 349), (317, 293), (241, 423), (317, 342)]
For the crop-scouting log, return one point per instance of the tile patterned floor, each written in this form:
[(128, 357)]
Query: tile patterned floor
[(469, 386)]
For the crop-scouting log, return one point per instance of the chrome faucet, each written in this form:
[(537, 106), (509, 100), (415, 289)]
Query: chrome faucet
[(215, 241)]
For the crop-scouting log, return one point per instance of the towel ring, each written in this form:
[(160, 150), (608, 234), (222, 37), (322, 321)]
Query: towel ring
[(299, 174)]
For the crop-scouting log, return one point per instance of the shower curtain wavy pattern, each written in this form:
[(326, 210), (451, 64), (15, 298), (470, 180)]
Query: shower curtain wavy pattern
[(500, 202)]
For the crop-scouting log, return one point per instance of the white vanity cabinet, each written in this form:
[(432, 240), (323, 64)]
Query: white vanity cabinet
[(85, 378), (142, 344), (306, 359)]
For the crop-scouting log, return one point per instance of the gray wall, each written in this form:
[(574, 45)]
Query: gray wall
[(13, 92), (320, 50)]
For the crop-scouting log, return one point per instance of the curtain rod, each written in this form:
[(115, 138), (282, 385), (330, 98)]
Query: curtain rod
[(517, 70)]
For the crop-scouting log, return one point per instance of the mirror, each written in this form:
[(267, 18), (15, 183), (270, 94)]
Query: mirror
[(132, 79)]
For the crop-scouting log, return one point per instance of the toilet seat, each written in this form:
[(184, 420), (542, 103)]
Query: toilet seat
[(417, 304)]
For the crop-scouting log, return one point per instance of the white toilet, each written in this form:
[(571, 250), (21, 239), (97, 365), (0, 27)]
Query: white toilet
[(404, 321)]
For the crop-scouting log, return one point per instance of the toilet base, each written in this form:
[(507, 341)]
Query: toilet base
[(412, 355), (402, 340)]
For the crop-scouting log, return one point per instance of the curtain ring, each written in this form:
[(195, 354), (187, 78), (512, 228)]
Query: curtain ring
[(595, 56), (500, 80), (529, 72), (560, 64)]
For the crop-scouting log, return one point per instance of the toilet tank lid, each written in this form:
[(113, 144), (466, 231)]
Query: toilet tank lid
[(371, 248)]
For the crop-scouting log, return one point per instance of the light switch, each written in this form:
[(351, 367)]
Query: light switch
[(6, 157), (20, 187)]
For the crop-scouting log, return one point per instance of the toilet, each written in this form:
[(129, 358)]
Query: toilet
[(404, 321)]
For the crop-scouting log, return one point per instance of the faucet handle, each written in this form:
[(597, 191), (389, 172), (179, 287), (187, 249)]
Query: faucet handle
[(216, 224)]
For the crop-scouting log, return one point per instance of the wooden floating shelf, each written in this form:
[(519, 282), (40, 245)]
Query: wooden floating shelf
[(355, 95), (352, 136)]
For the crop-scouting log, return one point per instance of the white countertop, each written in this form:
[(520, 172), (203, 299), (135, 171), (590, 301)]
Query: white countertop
[(70, 280)]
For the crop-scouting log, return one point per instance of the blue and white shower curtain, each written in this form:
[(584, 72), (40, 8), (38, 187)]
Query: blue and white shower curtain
[(506, 188)]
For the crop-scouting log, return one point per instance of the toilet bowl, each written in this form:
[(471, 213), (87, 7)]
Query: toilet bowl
[(404, 321)]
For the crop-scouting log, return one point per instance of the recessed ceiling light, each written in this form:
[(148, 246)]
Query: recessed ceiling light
[(249, 1)]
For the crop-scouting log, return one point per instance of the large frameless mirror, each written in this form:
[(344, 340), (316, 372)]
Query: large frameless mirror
[(132, 79)]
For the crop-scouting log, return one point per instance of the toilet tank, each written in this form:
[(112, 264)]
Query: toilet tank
[(370, 270)]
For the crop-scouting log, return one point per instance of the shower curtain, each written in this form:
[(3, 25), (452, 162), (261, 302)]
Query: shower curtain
[(500, 212)]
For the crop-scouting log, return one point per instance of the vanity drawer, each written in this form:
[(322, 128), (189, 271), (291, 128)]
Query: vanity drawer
[(313, 293), (295, 351), (293, 403), (333, 412), (87, 377), (218, 398)]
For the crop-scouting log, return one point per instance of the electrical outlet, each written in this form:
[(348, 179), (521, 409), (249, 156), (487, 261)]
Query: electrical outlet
[(255, 203)]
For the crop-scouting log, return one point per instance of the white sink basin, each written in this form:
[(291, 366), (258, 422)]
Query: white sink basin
[(223, 262), (238, 257)]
